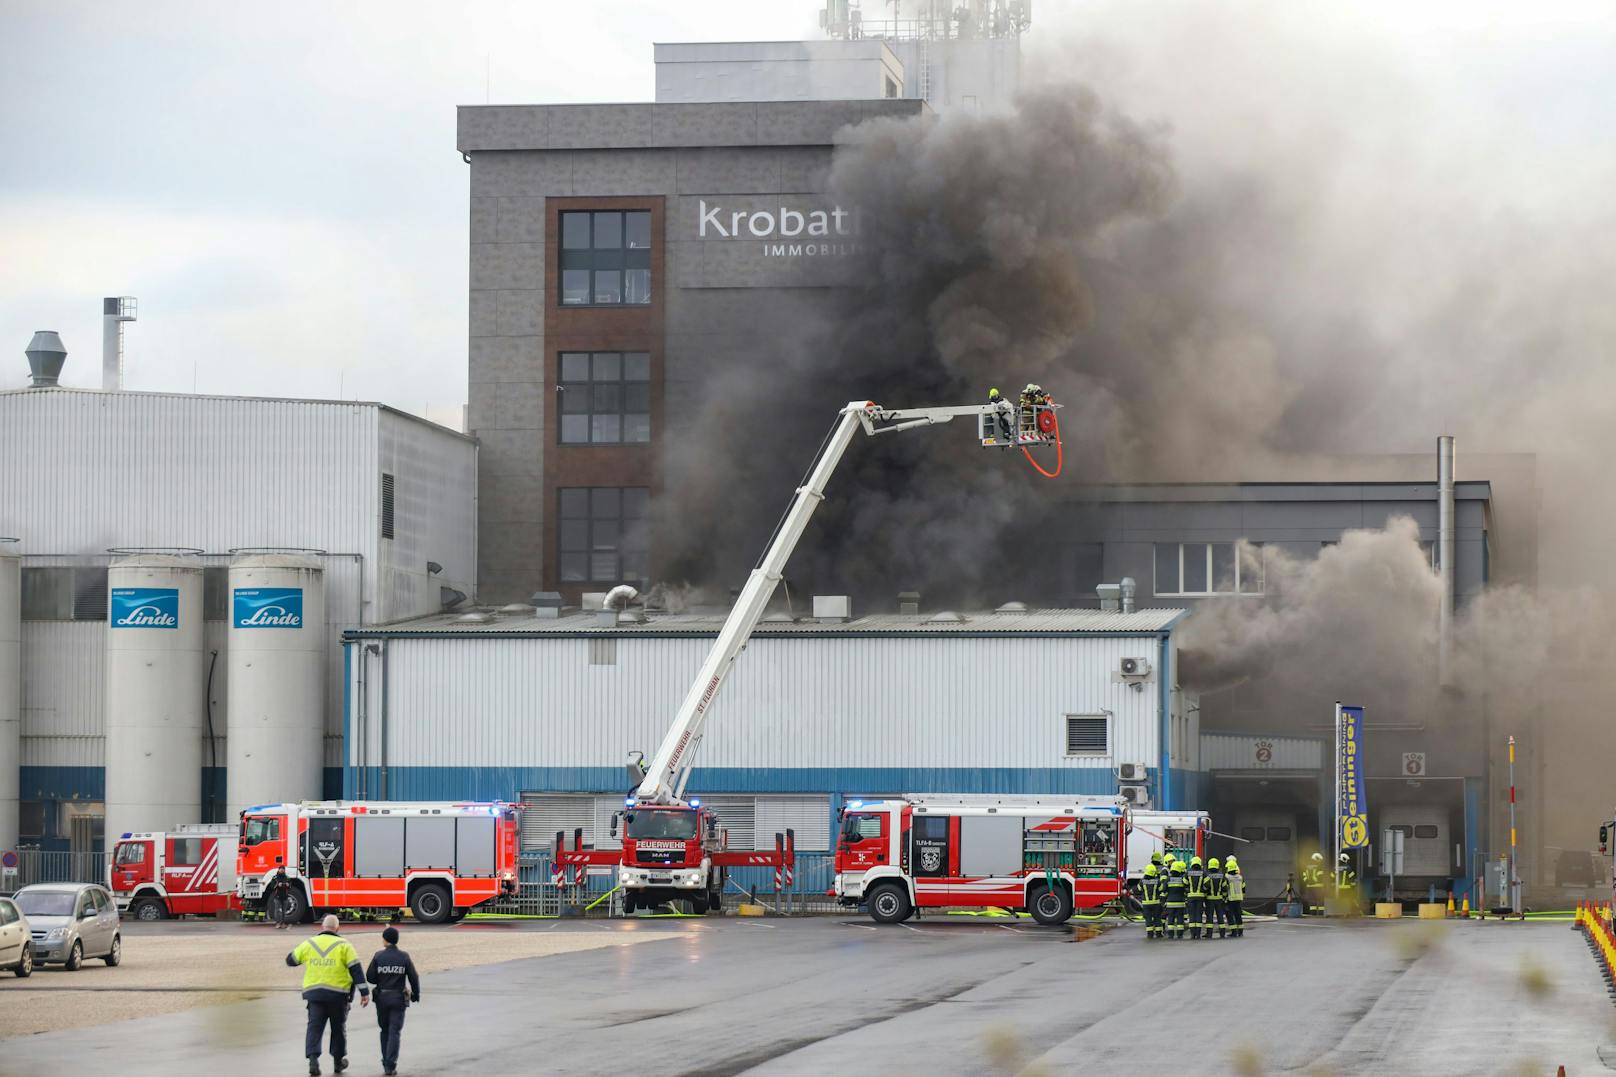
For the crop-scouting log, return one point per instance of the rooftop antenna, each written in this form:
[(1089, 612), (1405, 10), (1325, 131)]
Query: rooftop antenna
[(115, 310)]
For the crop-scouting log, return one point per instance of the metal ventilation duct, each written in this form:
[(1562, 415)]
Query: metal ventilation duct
[(46, 354)]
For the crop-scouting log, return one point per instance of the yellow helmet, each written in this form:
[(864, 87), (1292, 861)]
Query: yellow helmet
[(1213, 863), (1232, 864), (1150, 871), (1179, 865)]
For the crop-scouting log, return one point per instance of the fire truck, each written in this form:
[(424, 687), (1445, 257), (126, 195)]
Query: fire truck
[(296, 861), (189, 871), (674, 849), (1045, 856)]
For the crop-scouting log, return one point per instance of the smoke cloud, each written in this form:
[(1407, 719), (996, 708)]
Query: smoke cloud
[(1256, 243)]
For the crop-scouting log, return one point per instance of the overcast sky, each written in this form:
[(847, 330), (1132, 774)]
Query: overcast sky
[(280, 188)]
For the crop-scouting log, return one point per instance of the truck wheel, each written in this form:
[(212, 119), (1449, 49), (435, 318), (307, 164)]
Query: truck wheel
[(1049, 906), (889, 904), (431, 903), (628, 905), (287, 905), (698, 905), (715, 900), (458, 915), (148, 909)]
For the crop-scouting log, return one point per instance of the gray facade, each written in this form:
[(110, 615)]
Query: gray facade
[(733, 190)]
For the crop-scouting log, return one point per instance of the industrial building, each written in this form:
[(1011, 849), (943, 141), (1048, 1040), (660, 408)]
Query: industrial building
[(543, 706), (623, 253), (159, 539)]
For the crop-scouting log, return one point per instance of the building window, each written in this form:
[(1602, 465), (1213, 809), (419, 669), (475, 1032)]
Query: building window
[(1088, 734), (1209, 568), (65, 594), (605, 398), (387, 505), (603, 534), (606, 258)]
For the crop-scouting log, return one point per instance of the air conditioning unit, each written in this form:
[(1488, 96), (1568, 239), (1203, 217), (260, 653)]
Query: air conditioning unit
[(1132, 772), (1134, 667), (1137, 796)]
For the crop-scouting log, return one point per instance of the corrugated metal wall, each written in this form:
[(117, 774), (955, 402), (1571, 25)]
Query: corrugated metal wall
[(63, 693), (878, 702), (1239, 751), (426, 529)]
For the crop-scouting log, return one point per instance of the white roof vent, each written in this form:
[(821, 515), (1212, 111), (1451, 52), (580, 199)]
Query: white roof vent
[(516, 608), (833, 608), (474, 618), (1012, 607), (779, 619), (946, 617)]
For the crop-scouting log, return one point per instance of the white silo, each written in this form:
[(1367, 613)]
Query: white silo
[(10, 693), (276, 679), (156, 681)]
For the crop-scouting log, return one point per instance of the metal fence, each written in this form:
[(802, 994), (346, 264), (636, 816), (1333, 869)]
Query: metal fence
[(44, 866), (538, 894)]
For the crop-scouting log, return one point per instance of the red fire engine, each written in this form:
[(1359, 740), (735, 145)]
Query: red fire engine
[(1036, 854), (439, 860), (188, 872)]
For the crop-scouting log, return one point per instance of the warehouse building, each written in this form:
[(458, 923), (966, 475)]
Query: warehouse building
[(543, 707), (205, 505)]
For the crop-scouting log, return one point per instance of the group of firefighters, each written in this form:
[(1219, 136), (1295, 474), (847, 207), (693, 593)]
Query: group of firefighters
[(1194, 898)]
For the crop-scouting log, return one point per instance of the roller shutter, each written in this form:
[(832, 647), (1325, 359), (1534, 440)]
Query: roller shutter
[(809, 817)]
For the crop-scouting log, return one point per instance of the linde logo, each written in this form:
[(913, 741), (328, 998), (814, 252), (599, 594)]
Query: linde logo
[(261, 607), (144, 607), (715, 222)]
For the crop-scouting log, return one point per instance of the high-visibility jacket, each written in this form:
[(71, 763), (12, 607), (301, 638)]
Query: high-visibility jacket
[(1236, 886), (1346, 880), (1313, 876), (1214, 886), (1197, 882), (331, 966), (1151, 890), (1176, 889)]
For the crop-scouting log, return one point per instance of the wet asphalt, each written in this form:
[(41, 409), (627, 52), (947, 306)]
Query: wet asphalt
[(946, 995)]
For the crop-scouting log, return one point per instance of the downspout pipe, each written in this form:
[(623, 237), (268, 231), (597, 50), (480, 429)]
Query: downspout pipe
[(1444, 537)]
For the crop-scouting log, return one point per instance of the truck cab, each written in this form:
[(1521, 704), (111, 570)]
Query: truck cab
[(668, 856), (189, 871)]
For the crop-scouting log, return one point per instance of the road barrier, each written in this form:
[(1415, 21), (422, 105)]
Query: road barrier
[(1593, 919)]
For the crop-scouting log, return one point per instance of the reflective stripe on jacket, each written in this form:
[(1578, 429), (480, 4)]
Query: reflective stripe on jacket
[(330, 966), (1236, 887)]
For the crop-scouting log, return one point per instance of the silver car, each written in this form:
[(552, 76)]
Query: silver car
[(16, 947), (69, 922)]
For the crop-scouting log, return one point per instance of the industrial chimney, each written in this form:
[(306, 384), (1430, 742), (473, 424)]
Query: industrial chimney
[(45, 358), (115, 310)]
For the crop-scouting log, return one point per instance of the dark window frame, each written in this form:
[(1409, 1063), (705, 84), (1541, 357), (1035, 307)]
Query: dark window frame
[(594, 259), (595, 533), (1202, 558), (389, 504), (597, 364)]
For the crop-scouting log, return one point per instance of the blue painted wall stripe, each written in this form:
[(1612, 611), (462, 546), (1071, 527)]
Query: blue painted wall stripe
[(63, 783)]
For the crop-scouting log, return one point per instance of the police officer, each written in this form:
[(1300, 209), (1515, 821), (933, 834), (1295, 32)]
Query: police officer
[(1150, 899), (1196, 911), (331, 971), (397, 985), (1233, 896), (1214, 897), (1175, 892)]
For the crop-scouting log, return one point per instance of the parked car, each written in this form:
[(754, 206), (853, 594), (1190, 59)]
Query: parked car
[(69, 922), (16, 946)]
